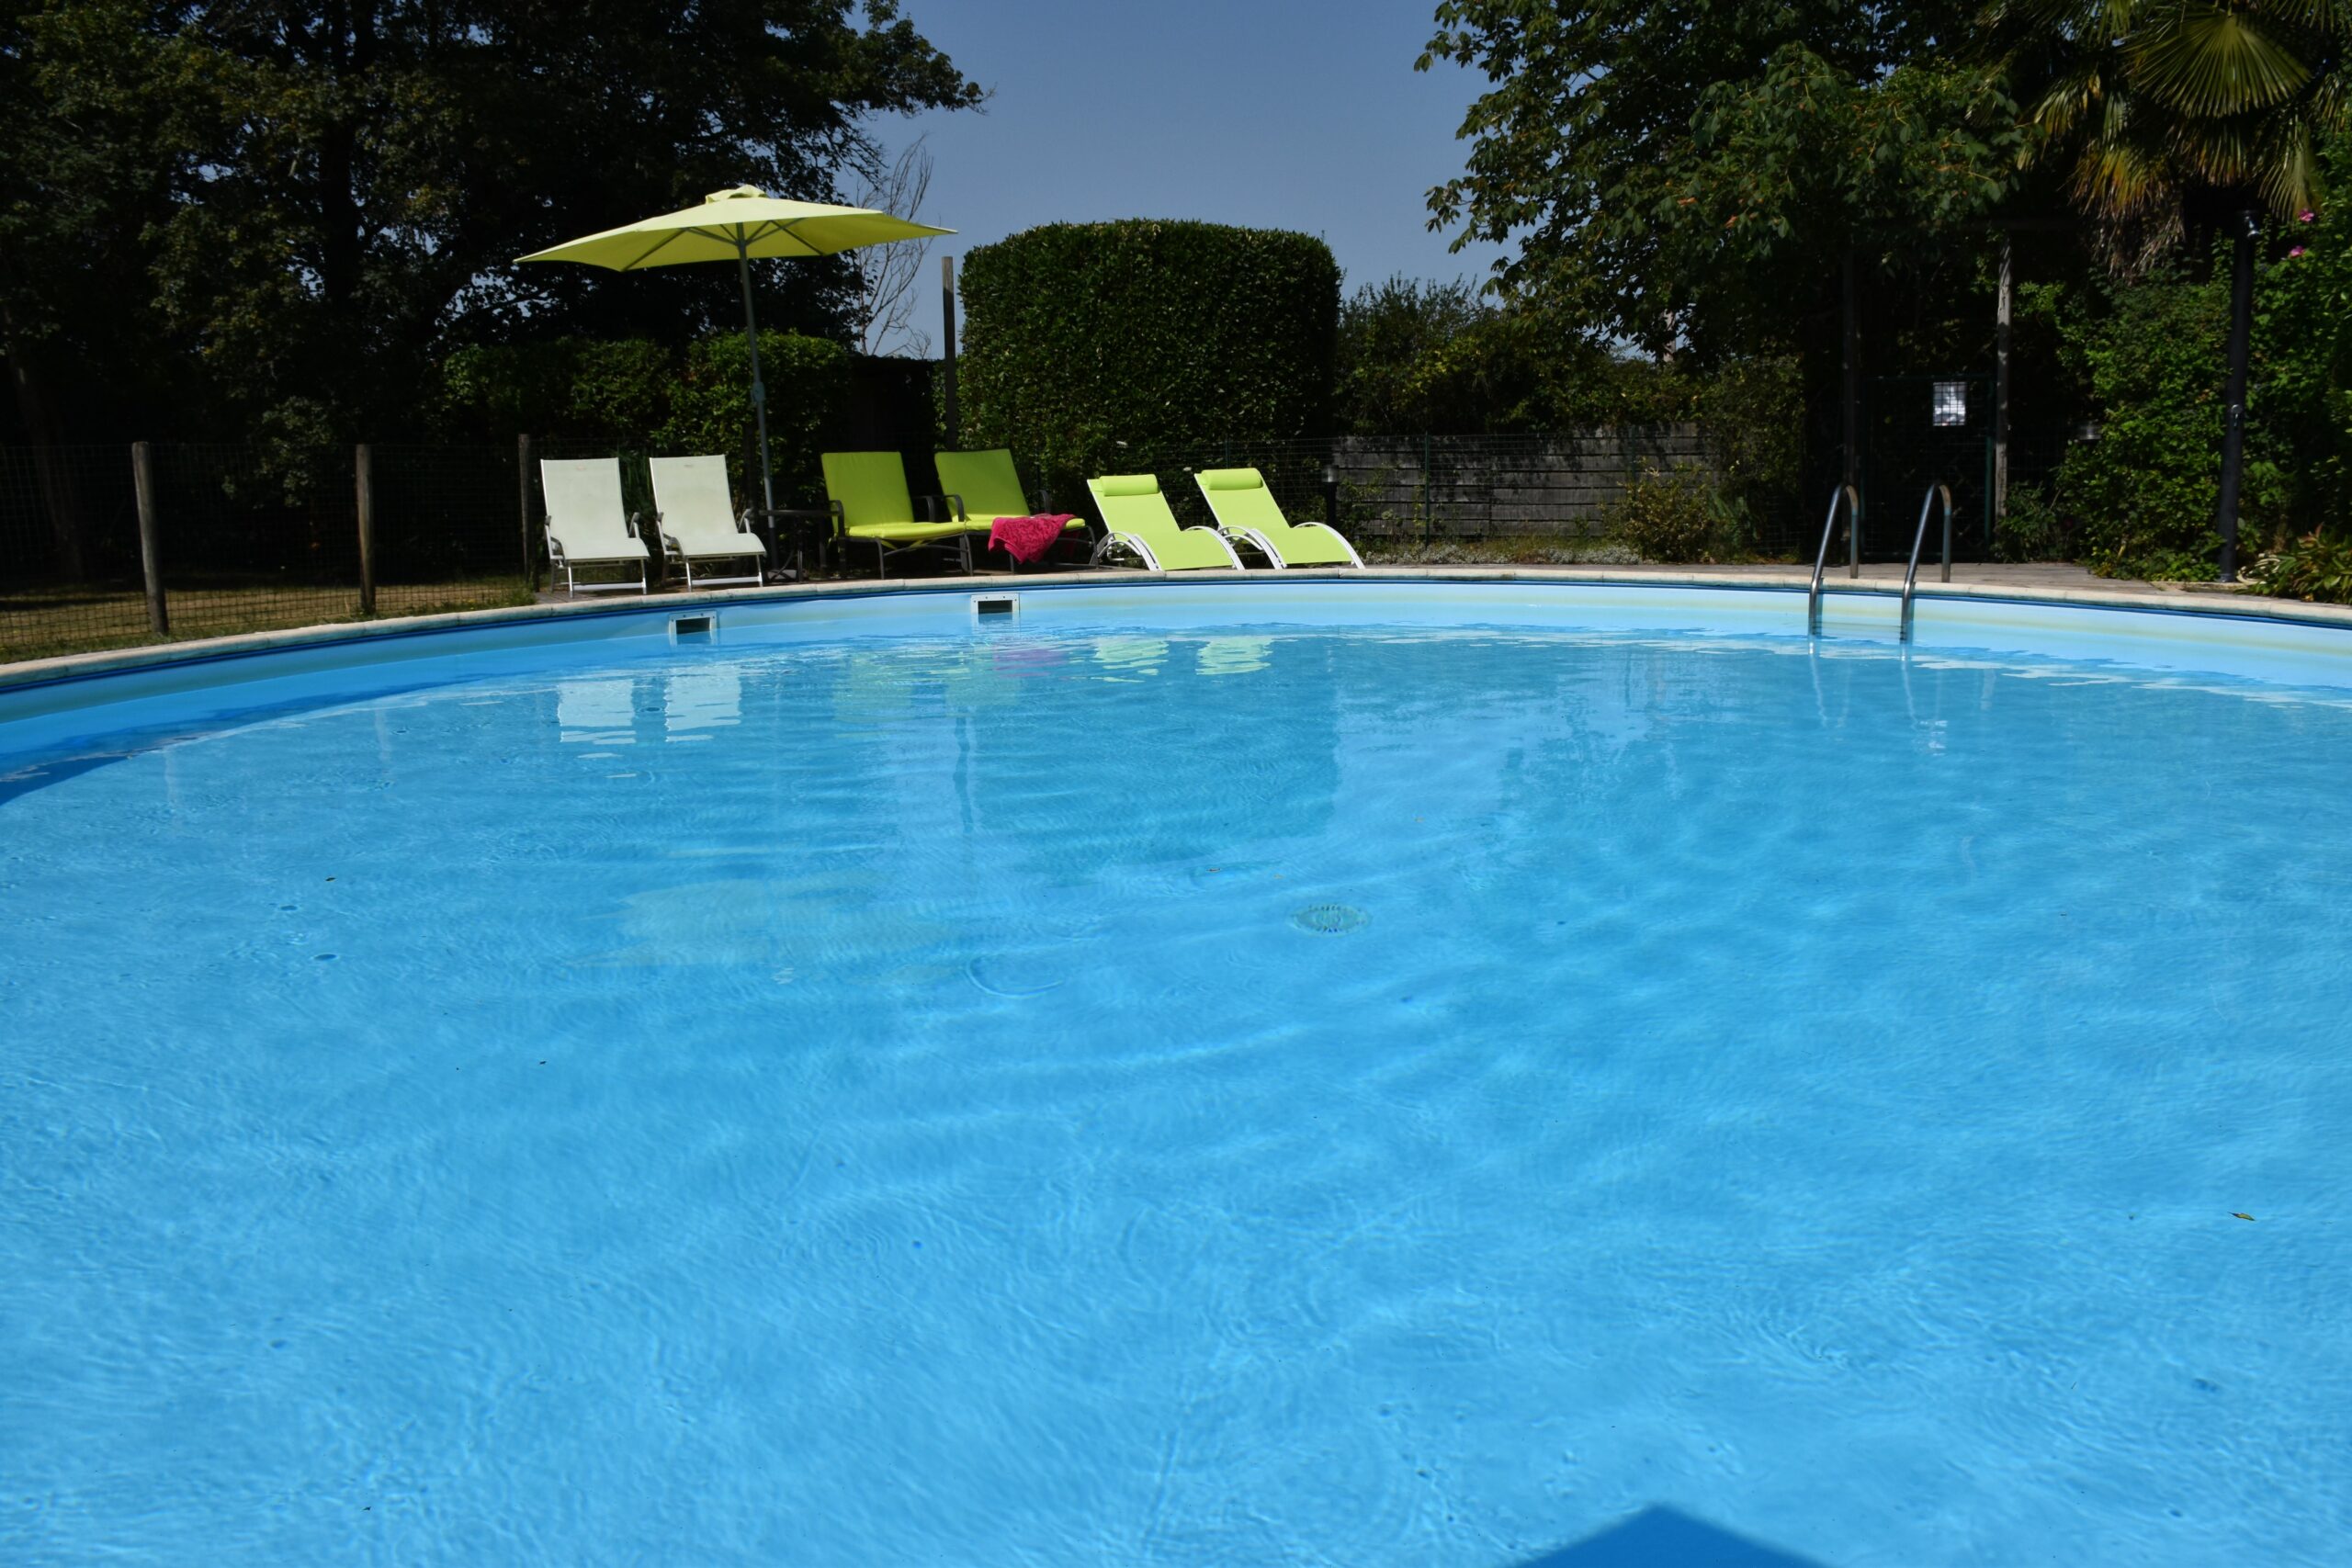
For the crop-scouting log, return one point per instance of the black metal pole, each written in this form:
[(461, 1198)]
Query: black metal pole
[(953, 417), (759, 388), (2233, 433), (2001, 312), (1852, 354)]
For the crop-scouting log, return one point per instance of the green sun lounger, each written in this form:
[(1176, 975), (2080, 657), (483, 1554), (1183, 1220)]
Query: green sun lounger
[(980, 487), (1138, 523), (695, 513), (868, 493), (588, 525), (1245, 509)]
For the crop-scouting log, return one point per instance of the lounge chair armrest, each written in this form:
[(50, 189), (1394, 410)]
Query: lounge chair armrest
[(960, 515)]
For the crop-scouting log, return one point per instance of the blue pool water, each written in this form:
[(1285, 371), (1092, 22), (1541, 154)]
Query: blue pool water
[(1281, 1097)]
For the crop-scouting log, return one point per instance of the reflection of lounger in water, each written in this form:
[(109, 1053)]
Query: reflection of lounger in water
[(1246, 510), (596, 711), (1130, 656), (701, 701), (1234, 655)]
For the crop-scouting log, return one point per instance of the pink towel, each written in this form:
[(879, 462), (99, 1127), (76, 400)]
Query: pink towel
[(1027, 538)]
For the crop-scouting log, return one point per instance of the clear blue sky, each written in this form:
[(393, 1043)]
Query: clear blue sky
[(1294, 114)]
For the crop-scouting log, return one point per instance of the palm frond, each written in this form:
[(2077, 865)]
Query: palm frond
[(2206, 60)]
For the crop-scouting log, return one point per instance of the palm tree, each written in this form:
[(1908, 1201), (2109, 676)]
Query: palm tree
[(2159, 102)]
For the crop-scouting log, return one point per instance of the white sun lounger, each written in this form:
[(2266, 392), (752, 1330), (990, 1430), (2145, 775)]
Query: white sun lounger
[(698, 521), (587, 524)]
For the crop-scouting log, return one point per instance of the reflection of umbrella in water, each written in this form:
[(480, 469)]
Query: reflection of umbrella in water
[(740, 225)]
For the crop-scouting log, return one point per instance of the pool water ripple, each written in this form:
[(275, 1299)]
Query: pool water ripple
[(878, 1103)]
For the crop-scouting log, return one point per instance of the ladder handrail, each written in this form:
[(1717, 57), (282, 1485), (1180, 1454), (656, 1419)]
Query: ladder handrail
[(1852, 500), (1911, 573)]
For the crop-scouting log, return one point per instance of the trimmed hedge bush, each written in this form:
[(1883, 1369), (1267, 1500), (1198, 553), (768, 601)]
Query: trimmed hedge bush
[(1165, 336)]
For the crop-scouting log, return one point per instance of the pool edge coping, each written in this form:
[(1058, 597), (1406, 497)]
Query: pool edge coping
[(68, 668)]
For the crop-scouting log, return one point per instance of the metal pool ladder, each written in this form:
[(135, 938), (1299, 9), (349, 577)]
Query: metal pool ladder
[(1911, 573), (1847, 496)]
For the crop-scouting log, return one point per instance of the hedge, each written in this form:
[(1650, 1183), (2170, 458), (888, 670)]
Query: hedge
[(1165, 336), (640, 397)]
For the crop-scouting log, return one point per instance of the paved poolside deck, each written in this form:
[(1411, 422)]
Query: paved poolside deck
[(2039, 577), (2049, 583)]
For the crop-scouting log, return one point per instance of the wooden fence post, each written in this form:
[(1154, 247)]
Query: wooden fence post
[(523, 503), (364, 475), (151, 555)]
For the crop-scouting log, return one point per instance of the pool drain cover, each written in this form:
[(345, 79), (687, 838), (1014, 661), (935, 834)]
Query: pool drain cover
[(1331, 919)]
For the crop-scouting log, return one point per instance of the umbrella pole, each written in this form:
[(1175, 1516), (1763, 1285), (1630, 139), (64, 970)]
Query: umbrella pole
[(759, 388)]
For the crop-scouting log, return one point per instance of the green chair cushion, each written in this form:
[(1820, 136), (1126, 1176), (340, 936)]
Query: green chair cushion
[(987, 483), (906, 533), (871, 488)]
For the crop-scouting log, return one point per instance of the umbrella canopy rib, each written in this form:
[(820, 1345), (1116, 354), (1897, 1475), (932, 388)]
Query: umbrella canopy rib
[(637, 261)]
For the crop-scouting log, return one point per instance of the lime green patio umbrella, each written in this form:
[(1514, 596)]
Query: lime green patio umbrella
[(741, 224)]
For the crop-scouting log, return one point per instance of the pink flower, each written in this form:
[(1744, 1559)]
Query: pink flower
[(2296, 251), (2306, 216)]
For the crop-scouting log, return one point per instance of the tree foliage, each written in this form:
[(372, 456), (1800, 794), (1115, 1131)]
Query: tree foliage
[(303, 207), (1674, 175), (2150, 103)]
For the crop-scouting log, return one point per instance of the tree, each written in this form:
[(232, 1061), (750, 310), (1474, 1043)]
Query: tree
[(1673, 178), (888, 276), (1687, 180), (81, 183), (346, 185), (1418, 356), (2155, 107)]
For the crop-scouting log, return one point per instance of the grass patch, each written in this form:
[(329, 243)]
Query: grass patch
[(41, 623)]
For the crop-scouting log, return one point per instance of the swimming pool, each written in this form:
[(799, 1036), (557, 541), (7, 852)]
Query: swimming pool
[(1181, 1077)]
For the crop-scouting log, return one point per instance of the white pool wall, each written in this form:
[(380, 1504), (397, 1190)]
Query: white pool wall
[(57, 704)]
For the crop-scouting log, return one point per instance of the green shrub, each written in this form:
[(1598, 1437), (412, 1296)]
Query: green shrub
[(1097, 347), (1675, 515), (2034, 530), (2316, 566), (710, 409), (638, 396), (2155, 354)]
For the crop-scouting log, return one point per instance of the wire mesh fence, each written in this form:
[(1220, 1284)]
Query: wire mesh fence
[(1426, 490), (70, 575), (246, 538), (243, 539)]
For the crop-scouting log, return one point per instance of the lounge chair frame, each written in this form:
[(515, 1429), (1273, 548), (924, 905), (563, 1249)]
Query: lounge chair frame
[(1256, 539), (1117, 541), (953, 504), (677, 554), (913, 537), (568, 562)]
